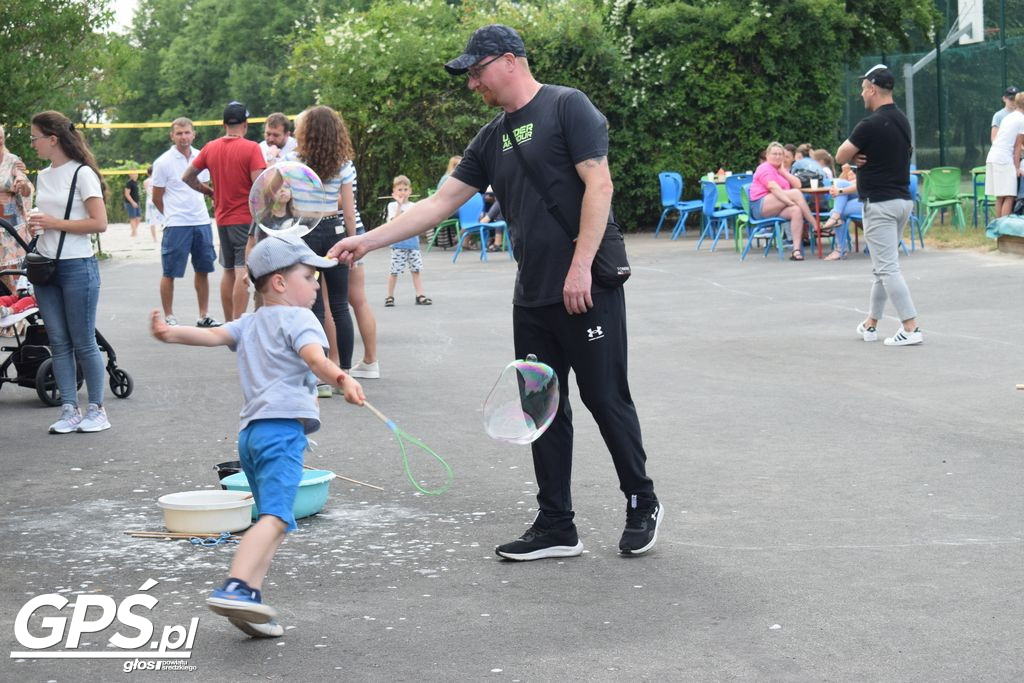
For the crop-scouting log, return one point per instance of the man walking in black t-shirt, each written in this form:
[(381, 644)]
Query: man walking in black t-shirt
[(880, 148), (559, 314)]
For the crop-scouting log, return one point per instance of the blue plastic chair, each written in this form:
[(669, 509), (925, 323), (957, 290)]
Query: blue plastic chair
[(915, 222), (734, 194), (715, 220), (671, 198), (769, 229), (734, 188), (842, 235), (469, 223)]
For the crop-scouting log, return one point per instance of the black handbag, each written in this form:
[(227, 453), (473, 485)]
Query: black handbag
[(610, 267), (806, 175), (40, 269)]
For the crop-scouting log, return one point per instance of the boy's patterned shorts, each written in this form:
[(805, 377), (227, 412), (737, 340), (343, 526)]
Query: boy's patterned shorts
[(399, 257)]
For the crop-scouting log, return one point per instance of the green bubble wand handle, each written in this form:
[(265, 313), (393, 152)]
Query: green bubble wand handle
[(403, 438)]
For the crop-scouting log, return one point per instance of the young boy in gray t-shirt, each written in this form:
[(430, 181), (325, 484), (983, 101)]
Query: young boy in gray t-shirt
[(280, 361)]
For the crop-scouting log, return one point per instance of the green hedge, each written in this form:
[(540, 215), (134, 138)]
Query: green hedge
[(686, 87)]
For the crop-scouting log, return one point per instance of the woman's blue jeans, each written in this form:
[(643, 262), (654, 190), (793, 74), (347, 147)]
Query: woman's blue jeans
[(846, 205), (68, 304)]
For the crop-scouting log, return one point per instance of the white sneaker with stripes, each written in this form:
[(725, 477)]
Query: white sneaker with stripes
[(904, 338)]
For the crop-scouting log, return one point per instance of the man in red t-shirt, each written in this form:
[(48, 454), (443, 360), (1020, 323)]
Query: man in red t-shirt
[(234, 163)]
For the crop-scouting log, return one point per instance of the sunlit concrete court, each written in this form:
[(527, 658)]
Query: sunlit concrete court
[(835, 510)]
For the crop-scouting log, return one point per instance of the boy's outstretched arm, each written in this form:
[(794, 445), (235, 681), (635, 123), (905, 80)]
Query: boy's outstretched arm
[(192, 336), (329, 373)]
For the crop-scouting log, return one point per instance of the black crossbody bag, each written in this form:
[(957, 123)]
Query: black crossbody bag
[(40, 269), (610, 268)]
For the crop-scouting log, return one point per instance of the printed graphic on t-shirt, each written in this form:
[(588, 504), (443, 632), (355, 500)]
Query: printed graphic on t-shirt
[(523, 135)]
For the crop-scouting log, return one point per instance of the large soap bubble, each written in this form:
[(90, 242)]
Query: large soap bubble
[(288, 199), (523, 402)]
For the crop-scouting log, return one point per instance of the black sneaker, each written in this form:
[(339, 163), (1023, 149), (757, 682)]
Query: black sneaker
[(207, 321), (641, 530), (541, 542)]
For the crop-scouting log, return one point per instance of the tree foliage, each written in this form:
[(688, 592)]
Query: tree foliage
[(191, 57), (382, 69), (687, 86), (47, 48)]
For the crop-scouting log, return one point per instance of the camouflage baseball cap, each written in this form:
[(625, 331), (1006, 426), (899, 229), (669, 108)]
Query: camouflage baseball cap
[(496, 39)]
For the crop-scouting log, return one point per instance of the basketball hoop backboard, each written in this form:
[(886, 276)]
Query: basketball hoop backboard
[(971, 12)]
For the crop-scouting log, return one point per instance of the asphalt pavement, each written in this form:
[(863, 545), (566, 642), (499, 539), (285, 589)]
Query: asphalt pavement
[(835, 510)]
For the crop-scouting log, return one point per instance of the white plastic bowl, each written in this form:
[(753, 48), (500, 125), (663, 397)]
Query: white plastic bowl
[(206, 512)]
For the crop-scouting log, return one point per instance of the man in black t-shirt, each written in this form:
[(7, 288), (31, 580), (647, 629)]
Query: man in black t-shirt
[(880, 148), (559, 314)]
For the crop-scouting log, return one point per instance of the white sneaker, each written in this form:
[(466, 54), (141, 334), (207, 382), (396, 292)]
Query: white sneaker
[(70, 417), (324, 391), (171, 320), (95, 419), (868, 334), (904, 338), (271, 629), (366, 370)]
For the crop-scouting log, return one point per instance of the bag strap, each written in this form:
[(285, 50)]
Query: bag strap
[(67, 210), (551, 205)]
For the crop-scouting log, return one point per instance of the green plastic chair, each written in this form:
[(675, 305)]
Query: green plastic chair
[(442, 227), (942, 191), (976, 195)]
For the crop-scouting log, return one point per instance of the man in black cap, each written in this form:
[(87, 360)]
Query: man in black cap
[(880, 148), (559, 314), (1008, 96), (234, 163)]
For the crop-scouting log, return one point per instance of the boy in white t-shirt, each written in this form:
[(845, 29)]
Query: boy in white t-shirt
[(280, 360), (408, 250)]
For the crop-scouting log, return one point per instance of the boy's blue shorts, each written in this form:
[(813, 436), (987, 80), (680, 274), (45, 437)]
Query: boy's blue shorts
[(271, 454)]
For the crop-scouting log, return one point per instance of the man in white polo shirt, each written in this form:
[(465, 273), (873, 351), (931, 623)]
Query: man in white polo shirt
[(187, 223)]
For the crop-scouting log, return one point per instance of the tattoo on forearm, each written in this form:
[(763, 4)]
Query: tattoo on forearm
[(596, 161)]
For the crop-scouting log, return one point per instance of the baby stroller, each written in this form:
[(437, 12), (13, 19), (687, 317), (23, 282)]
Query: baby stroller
[(30, 363)]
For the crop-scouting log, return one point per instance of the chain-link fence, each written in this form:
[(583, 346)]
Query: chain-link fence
[(955, 96)]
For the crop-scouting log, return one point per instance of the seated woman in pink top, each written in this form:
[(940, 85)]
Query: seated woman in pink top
[(774, 192)]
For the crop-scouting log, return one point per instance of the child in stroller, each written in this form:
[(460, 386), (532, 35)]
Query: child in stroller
[(15, 305)]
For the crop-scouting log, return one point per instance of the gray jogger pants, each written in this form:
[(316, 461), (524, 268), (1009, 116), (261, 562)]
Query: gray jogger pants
[(883, 228)]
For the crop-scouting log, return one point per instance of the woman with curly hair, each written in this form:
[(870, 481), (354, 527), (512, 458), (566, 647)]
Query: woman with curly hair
[(324, 145), (68, 300)]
